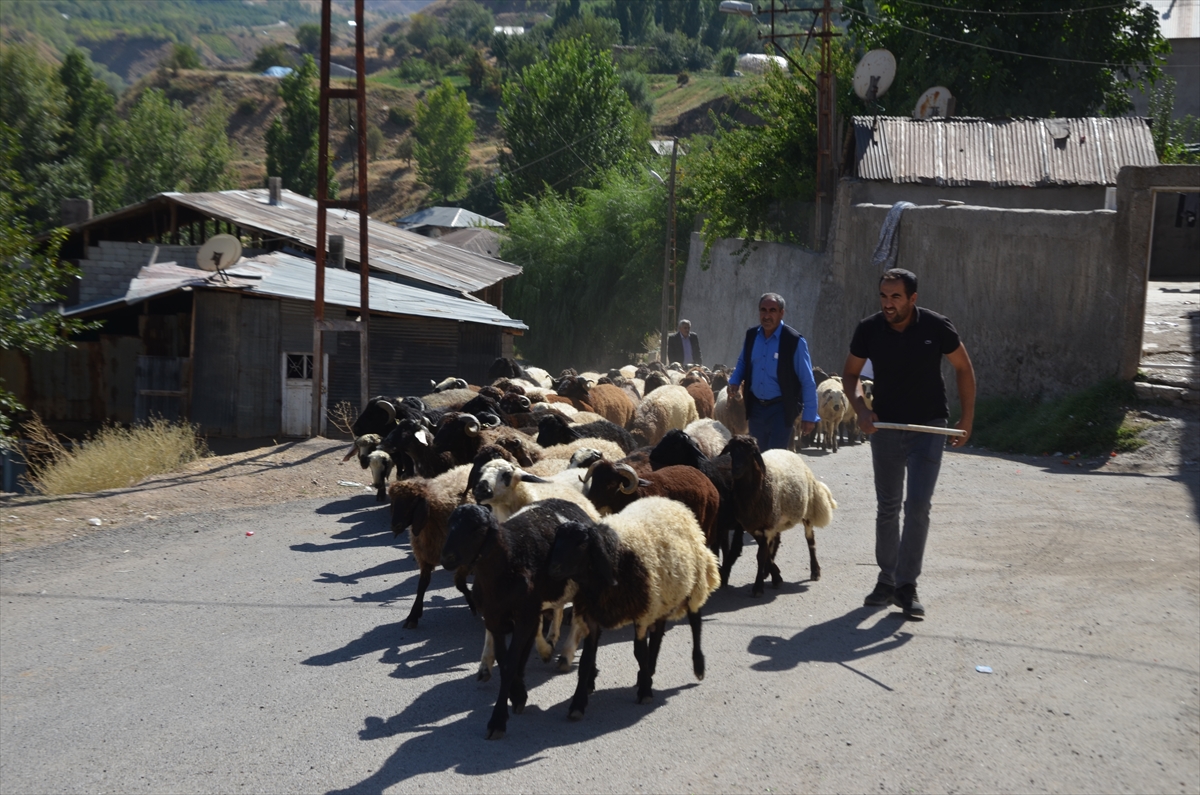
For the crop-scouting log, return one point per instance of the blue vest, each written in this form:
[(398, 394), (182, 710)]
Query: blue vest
[(785, 371)]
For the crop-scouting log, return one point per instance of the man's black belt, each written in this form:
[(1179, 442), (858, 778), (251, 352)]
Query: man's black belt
[(770, 402)]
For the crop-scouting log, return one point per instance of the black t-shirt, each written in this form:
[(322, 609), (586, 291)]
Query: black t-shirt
[(908, 365)]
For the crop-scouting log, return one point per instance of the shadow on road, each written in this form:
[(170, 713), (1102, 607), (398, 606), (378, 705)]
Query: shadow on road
[(459, 746), (841, 640), (368, 528)]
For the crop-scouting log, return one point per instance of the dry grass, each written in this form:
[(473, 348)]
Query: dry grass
[(114, 458)]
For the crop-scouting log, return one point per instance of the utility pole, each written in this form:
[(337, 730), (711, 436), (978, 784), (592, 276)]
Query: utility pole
[(320, 324), (668, 276)]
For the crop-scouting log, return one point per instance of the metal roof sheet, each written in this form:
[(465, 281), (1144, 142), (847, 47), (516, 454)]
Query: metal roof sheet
[(392, 250), (285, 276), (450, 217), (1000, 152)]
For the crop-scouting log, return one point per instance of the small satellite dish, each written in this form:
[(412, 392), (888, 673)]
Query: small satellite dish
[(219, 253), (936, 101), (874, 75)]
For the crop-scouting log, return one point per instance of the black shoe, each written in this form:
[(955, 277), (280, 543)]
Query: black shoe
[(905, 598), (882, 595)]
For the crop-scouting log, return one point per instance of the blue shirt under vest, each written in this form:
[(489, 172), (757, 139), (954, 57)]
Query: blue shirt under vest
[(764, 357)]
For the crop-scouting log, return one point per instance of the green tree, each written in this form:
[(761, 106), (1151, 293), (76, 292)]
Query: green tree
[(167, 149), (470, 21), (1033, 58), (443, 133), (748, 168), (566, 122), (592, 281), (422, 29), (308, 36), (34, 108), (183, 56), (92, 122), (271, 55), (31, 275), (1175, 140), (292, 139)]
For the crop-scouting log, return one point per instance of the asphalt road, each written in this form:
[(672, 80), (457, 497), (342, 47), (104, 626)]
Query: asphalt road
[(185, 656)]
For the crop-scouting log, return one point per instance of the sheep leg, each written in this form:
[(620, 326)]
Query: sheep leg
[(648, 661), (460, 582), (488, 658), (418, 607), (587, 672), (813, 567), (776, 576), (764, 566), (697, 652), (499, 720), (735, 552), (545, 645), (579, 631)]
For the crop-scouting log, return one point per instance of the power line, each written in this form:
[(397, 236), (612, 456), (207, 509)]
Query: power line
[(1011, 13), (991, 49)]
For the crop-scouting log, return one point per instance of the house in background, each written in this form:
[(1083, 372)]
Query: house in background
[(1179, 22), (438, 221), (233, 352), (1033, 164)]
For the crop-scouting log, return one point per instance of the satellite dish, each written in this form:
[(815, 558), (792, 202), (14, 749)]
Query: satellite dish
[(874, 75), (219, 253), (936, 101)]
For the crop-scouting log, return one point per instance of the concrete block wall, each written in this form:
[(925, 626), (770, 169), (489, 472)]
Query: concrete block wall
[(1046, 301), (111, 265)]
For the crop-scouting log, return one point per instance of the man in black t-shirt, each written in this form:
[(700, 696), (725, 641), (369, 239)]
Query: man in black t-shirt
[(905, 345)]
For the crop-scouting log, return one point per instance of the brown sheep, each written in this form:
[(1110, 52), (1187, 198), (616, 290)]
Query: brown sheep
[(701, 392)]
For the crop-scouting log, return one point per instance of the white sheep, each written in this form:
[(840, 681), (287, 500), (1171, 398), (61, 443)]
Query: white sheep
[(666, 408), (711, 435), (773, 491), (831, 407), (645, 565), (731, 412)]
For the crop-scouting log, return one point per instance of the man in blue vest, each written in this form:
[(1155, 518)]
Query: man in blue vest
[(776, 369)]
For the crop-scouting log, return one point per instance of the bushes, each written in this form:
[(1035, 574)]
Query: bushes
[(114, 458)]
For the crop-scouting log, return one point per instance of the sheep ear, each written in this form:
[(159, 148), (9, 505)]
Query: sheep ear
[(643, 482), (424, 437), (420, 516), (525, 477)]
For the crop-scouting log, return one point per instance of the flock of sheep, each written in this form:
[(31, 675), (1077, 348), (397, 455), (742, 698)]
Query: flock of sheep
[(625, 495)]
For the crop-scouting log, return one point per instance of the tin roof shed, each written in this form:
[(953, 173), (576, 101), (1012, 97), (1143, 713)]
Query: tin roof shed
[(999, 152)]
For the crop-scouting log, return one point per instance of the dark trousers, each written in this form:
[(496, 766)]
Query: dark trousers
[(894, 454), (768, 424)]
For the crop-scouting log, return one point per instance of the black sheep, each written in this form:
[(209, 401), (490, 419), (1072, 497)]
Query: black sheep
[(511, 562), (556, 429), (679, 449)]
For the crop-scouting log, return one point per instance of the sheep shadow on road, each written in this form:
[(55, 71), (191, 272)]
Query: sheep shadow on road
[(369, 527), (841, 640), (459, 746)]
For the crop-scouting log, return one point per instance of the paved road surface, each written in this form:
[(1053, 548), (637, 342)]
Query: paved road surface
[(184, 656)]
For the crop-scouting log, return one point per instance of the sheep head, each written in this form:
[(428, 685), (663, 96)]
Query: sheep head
[(498, 478), (586, 554), (744, 456), (467, 529), (410, 506)]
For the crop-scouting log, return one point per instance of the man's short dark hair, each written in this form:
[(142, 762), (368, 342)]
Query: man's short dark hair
[(901, 275), (776, 297)]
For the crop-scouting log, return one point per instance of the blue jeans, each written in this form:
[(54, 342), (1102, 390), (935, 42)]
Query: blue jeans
[(768, 424), (894, 453)]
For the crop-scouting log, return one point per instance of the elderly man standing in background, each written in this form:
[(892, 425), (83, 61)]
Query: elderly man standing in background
[(777, 371), (684, 346)]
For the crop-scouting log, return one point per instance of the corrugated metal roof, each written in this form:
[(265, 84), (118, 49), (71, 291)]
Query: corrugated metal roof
[(1000, 152), (392, 250), (449, 217), (285, 276)]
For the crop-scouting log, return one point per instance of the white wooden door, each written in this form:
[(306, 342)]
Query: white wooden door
[(297, 393)]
